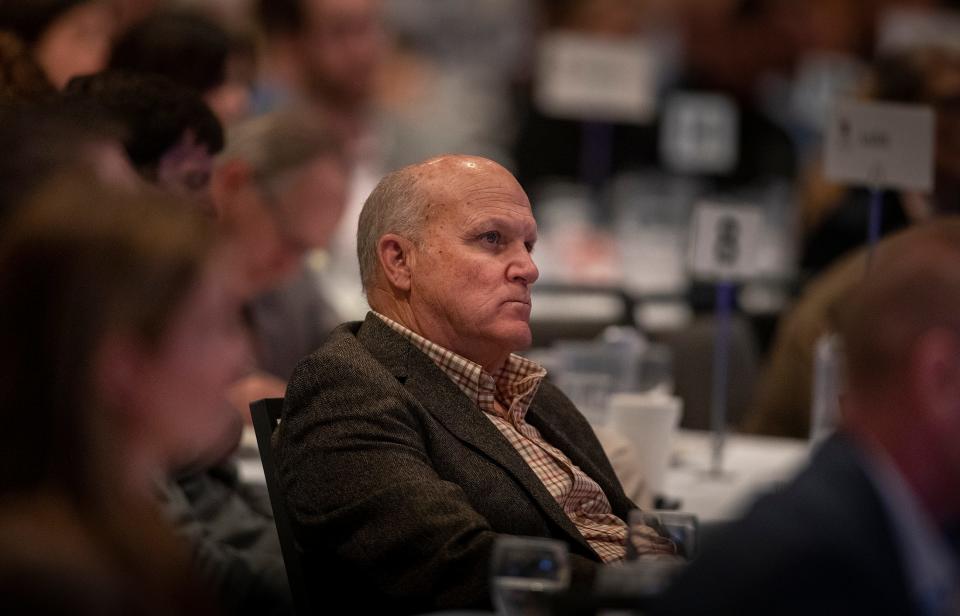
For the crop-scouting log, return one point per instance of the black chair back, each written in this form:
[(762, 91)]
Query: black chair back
[(266, 417)]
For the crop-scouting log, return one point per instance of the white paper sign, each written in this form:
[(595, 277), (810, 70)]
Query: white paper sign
[(903, 29), (724, 241), (882, 145), (699, 133), (590, 78)]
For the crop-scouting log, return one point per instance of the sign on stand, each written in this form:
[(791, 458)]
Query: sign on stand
[(724, 242), (590, 78), (699, 133), (881, 145), (723, 249)]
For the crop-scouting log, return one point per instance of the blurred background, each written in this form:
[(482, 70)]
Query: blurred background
[(276, 118), (618, 117)]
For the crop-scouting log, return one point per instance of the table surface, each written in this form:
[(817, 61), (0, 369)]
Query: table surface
[(751, 465)]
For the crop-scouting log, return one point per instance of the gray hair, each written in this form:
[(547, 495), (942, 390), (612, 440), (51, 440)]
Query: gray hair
[(275, 144), (397, 205)]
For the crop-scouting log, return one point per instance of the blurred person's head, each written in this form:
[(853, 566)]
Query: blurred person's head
[(121, 324), (192, 50), (21, 78), (901, 332), (66, 37), (41, 140), (837, 26), (444, 249), (598, 17), (337, 45), (171, 134), (730, 44), (279, 189)]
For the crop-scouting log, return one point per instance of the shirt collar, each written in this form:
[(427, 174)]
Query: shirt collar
[(514, 385)]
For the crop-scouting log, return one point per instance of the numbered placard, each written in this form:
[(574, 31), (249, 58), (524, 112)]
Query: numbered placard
[(590, 78), (699, 133), (724, 241), (881, 145)]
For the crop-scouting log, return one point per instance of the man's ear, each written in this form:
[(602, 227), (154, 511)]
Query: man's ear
[(396, 256), (228, 180)]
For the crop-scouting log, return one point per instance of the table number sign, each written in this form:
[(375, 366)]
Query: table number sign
[(699, 133), (589, 78), (881, 145), (724, 241), (723, 248)]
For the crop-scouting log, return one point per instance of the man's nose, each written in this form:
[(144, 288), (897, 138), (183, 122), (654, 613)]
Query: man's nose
[(522, 268)]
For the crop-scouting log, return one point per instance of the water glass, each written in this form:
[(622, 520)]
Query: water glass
[(526, 572), (680, 528)]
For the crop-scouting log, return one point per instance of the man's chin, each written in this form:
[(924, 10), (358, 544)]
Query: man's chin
[(520, 337)]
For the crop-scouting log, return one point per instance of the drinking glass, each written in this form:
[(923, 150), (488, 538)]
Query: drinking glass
[(652, 562), (525, 572), (680, 528)]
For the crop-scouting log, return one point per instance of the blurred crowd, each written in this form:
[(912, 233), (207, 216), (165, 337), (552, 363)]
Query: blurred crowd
[(180, 186)]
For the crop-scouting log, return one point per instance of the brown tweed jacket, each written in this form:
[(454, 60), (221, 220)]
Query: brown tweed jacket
[(397, 485)]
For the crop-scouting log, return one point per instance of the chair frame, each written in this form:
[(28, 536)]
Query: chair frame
[(266, 417)]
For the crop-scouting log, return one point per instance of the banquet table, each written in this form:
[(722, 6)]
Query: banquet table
[(751, 464)]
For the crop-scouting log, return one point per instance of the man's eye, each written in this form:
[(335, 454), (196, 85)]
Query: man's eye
[(491, 237)]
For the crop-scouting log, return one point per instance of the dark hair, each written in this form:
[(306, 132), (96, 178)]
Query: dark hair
[(29, 19), (915, 76), (21, 78), (154, 111), (78, 260), (78, 264), (39, 140), (186, 47), (280, 16)]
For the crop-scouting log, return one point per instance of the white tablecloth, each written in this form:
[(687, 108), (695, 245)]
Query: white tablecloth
[(751, 465)]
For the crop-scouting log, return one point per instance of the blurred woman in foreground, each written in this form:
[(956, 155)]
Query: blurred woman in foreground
[(119, 334)]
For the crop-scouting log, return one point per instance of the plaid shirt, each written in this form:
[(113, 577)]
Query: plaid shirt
[(504, 398)]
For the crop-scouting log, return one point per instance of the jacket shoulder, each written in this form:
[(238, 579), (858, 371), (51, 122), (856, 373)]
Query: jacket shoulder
[(341, 355)]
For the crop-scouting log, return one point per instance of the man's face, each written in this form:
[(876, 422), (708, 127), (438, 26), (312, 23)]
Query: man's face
[(77, 42), (309, 207), (471, 273), (342, 43), (271, 232), (180, 386)]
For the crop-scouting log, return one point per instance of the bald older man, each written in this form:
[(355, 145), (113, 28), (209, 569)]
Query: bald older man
[(410, 441)]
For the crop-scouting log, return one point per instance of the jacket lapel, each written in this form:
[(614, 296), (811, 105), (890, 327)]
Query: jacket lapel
[(567, 440), (448, 405)]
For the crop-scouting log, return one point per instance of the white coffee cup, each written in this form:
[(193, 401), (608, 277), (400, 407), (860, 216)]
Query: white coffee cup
[(648, 420)]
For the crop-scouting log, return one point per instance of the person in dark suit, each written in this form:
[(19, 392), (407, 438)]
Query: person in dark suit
[(869, 526), (411, 440)]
